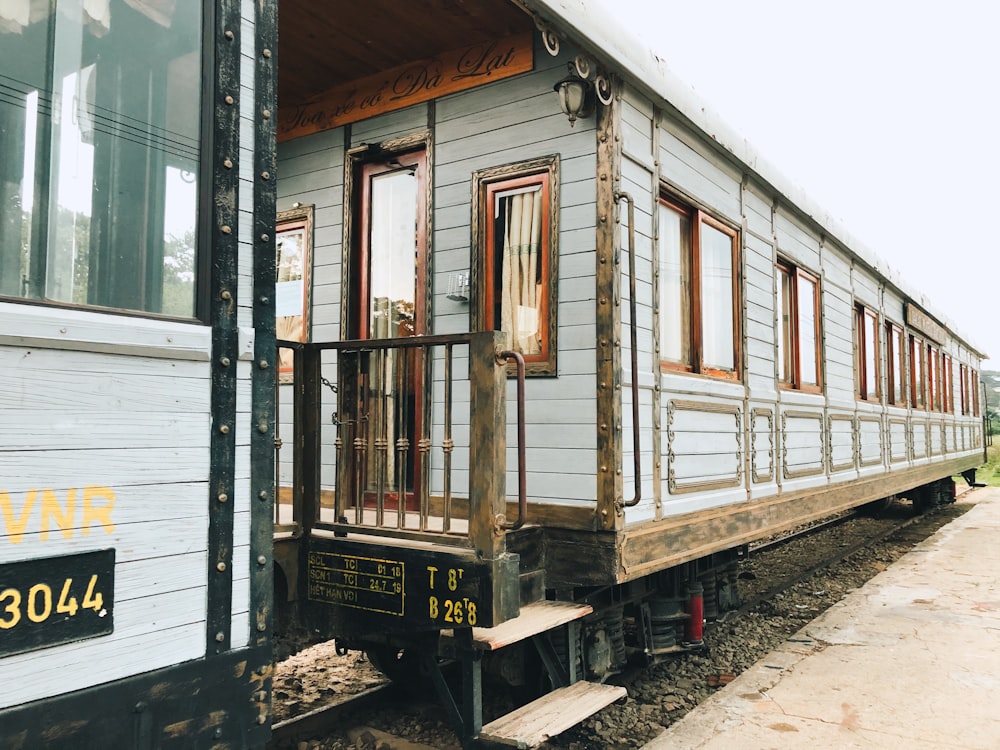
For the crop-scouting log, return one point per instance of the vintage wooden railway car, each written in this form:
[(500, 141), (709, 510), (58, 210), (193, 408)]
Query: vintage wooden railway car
[(556, 345), (560, 354)]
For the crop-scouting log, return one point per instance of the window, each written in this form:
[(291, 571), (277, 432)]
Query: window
[(100, 110), (293, 261), (974, 391), (918, 382), (963, 387), (699, 292), (515, 223), (798, 329), (867, 365), (933, 376), (947, 383), (895, 364)]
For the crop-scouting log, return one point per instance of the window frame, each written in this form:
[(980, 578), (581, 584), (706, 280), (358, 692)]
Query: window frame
[(863, 315), (974, 392), (298, 219), (948, 383), (695, 363), (487, 184), (963, 387), (918, 373), (895, 359), (138, 242), (794, 273)]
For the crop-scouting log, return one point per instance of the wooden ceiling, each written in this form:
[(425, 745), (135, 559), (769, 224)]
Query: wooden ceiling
[(326, 44)]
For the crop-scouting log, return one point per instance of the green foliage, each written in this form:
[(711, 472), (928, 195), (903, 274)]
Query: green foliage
[(990, 471)]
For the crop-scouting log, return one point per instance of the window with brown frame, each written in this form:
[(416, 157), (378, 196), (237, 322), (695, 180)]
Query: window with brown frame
[(516, 225), (948, 383), (974, 391), (799, 337), (293, 240), (699, 292), (963, 388), (933, 378), (895, 365), (918, 382), (868, 359)]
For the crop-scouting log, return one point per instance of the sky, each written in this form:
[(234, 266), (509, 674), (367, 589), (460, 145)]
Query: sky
[(885, 112)]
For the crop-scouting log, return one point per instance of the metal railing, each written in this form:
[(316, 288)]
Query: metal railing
[(400, 438)]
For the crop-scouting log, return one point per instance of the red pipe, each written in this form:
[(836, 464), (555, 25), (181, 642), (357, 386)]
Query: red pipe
[(696, 614)]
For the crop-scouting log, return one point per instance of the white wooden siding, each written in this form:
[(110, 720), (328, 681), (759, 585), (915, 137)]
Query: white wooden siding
[(127, 438)]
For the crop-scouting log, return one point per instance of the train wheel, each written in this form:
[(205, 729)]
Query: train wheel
[(400, 665), (876, 508), (923, 499)]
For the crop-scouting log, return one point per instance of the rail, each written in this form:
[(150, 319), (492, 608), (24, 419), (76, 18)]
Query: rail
[(414, 446)]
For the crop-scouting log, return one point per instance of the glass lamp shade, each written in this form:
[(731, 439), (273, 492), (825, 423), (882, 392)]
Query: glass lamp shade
[(573, 97)]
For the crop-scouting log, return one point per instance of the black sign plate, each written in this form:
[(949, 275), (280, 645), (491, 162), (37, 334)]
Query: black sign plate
[(403, 588), (52, 600)]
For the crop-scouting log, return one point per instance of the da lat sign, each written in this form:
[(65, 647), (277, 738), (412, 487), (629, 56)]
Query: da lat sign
[(448, 73)]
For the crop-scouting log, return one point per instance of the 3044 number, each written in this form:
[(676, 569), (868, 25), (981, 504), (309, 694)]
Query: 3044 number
[(48, 601), (37, 603)]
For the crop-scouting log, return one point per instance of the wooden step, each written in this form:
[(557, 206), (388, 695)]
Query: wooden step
[(531, 725), (537, 617)]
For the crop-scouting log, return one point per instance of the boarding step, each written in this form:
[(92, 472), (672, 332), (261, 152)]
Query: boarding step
[(537, 617), (552, 714)]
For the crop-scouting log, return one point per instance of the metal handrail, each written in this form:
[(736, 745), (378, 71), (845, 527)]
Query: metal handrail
[(634, 341), (522, 478)]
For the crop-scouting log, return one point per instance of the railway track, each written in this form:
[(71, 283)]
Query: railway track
[(363, 709)]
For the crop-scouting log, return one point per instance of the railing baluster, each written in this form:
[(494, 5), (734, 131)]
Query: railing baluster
[(402, 436), (447, 443), (422, 489), (381, 407), (362, 374)]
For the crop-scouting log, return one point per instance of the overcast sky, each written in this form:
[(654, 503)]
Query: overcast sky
[(886, 113)]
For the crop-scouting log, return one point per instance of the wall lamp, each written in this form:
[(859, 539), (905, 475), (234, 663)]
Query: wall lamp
[(576, 96)]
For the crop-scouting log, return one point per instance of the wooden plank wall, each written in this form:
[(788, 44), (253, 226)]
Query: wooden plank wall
[(127, 436), (720, 442), (501, 123)]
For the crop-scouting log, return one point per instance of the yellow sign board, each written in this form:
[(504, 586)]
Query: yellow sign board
[(448, 73)]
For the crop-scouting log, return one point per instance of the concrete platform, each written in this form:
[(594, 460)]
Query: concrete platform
[(911, 660)]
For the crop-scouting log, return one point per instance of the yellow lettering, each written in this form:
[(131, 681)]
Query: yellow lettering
[(52, 508), (17, 526), (100, 514)]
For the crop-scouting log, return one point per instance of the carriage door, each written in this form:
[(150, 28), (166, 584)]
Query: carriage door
[(389, 300)]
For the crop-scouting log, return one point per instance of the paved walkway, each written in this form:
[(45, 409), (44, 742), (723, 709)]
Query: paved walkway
[(911, 660)]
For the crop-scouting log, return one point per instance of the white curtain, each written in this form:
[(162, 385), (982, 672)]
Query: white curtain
[(519, 314)]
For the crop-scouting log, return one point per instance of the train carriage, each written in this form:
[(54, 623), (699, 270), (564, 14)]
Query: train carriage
[(465, 326), (136, 465), (560, 355)]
